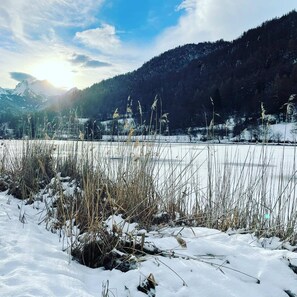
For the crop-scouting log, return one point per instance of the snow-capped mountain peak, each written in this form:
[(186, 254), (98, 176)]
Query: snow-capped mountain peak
[(29, 95), (35, 88), (21, 89)]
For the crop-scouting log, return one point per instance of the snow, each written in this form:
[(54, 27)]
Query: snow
[(284, 132), (3, 91), (212, 263), (37, 87), (120, 223), (44, 88), (195, 262), (21, 88), (281, 132), (32, 262), (273, 133)]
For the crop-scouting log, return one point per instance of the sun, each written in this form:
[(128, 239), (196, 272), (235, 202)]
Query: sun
[(57, 72)]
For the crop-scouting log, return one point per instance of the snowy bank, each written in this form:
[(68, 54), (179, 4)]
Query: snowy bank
[(200, 262)]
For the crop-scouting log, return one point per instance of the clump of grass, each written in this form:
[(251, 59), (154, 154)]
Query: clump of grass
[(134, 189), (31, 171), (67, 160), (96, 192)]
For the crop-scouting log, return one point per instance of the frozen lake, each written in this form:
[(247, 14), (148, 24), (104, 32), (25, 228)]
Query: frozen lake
[(257, 180)]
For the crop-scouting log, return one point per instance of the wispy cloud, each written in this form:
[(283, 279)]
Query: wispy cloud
[(31, 18), (96, 64), (34, 31), (86, 61), (20, 76), (103, 38), (79, 59), (187, 5)]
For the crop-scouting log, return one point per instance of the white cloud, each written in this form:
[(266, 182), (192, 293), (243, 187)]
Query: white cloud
[(210, 20), (187, 4), (28, 19), (103, 38), (30, 35)]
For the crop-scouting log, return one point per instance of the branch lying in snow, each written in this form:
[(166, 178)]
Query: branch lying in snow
[(184, 283), (219, 266), (289, 293), (293, 267), (153, 250), (230, 268)]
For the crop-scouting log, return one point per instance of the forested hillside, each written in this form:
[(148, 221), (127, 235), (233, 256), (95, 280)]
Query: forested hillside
[(260, 66)]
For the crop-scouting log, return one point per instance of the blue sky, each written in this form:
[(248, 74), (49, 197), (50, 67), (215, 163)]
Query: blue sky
[(80, 42), (140, 20)]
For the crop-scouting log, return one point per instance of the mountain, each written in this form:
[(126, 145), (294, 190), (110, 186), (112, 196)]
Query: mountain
[(4, 91), (28, 95), (36, 88), (177, 59), (260, 67)]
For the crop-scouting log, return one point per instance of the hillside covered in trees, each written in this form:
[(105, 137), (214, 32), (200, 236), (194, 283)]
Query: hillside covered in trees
[(260, 66)]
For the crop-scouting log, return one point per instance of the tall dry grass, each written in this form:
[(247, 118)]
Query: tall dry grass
[(145, 182)]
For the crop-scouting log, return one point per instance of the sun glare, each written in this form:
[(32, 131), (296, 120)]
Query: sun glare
[(56, 72)]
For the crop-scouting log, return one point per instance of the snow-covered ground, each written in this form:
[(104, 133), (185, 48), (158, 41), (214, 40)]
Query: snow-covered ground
[(273, 133), (195, 261), (208, 263)]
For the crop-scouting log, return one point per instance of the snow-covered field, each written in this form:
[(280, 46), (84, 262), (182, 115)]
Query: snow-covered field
[(210, 263), (195, 261)]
